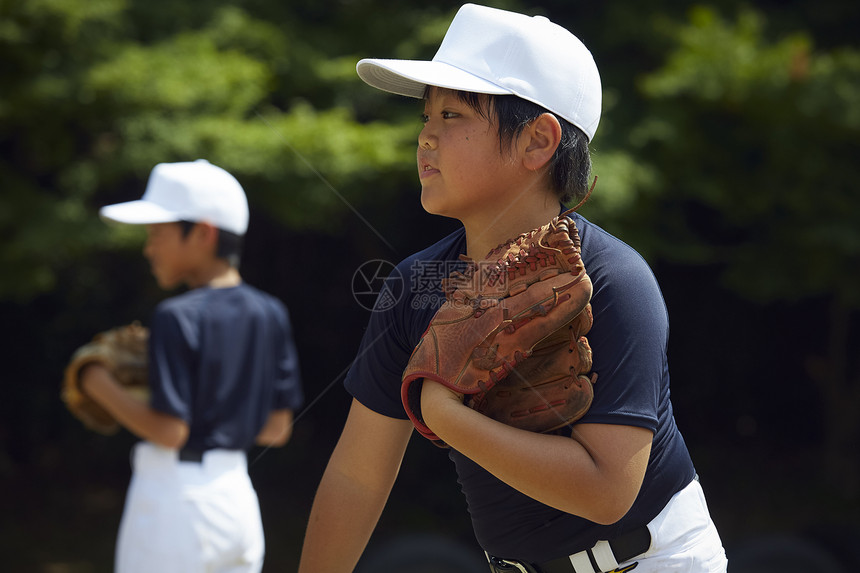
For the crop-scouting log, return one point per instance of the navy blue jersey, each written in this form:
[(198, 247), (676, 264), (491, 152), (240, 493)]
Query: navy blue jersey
[(629, 341), (222, 359)]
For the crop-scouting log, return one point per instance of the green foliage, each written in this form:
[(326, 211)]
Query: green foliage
[(740, 151), (719, 61), (754, 142), (187, 73), (620, 177), (96, 93)]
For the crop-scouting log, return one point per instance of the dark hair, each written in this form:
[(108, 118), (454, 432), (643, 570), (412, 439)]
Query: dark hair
[(229, 244), (570, 166)]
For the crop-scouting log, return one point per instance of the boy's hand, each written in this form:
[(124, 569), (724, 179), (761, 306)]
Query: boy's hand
[(122, 352)]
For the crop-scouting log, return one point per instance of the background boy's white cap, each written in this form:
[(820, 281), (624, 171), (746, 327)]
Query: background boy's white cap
[(492, 51), (194, 191)]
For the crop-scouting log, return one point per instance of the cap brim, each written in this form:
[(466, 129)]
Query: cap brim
[(411, 77), (138, 213)]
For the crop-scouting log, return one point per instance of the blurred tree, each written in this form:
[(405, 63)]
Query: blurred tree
[(95, 94), (747, 160)]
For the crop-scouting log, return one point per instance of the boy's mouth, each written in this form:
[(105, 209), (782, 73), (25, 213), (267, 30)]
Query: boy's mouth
[(426, 171)]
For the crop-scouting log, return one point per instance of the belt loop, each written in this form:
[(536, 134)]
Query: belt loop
[(190, 455), (603, 555), (581, 563)]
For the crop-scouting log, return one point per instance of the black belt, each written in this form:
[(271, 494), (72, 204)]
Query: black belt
[(604, 556), (191, 455)]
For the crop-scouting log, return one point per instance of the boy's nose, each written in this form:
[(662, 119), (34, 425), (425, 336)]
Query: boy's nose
[(426, 139)]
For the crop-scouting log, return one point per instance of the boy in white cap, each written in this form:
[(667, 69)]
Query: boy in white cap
[(223, 376), (511, 103)]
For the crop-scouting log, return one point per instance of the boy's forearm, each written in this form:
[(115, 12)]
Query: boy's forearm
[(277, 430), (595, 475), (341, 522), (133, 414), (353, 490)]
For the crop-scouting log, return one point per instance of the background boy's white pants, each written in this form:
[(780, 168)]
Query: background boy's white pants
[(189, 517)]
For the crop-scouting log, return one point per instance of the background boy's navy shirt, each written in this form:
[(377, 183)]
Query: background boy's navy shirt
[(222, 359), (629, 341)]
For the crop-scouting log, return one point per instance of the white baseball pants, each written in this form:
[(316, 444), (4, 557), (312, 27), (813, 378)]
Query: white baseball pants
[(189, 517), (684, 538)]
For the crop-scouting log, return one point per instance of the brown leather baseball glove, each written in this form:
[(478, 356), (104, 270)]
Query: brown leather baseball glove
[(510, 334), (123, 351), (551, 388)]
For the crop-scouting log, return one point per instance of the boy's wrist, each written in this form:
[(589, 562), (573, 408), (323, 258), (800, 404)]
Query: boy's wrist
[(435, 398)]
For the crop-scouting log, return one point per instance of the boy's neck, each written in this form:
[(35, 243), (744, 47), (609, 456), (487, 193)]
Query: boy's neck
[(486, 233), (220, 275), (227, 279)]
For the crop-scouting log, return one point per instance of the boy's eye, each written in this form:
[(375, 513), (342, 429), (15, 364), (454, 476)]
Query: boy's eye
[(445, 115)]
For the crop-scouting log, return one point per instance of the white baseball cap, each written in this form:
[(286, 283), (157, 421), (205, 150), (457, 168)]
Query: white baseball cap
[(492, 51), (194, 191)]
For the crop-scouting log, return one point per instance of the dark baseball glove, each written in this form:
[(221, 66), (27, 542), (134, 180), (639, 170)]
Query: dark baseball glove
[(122, 350), (510, 334)]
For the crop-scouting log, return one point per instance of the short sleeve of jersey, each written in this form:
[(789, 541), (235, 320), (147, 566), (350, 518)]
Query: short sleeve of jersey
[(630, 334), (170, 363), (288, 387), (407, 302), (374, 377)]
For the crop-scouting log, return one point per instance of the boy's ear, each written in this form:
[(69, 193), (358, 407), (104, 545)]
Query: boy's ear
[(542, 137), (206, 234)]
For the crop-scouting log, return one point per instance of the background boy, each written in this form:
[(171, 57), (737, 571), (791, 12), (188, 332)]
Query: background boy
[(223, 376), (511, 103)]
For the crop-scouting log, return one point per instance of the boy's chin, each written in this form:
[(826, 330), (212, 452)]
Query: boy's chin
[(167, 283), (434, 206)]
